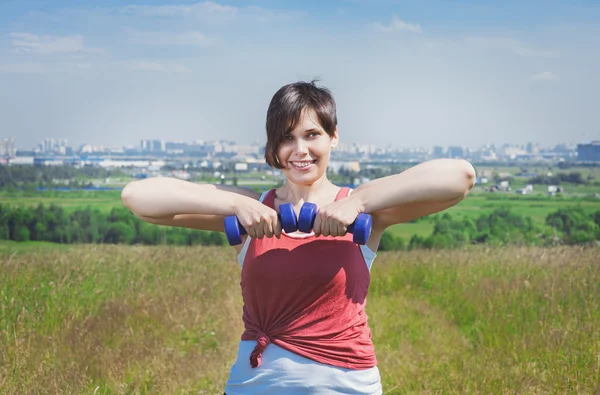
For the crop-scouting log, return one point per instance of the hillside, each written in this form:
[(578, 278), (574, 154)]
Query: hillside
[(128, 319)]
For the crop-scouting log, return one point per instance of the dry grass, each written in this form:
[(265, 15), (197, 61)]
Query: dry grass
[(125, 320)]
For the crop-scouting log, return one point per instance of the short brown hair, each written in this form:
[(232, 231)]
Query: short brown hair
[(286, 108)]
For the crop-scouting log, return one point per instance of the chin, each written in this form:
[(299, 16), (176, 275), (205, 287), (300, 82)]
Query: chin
[(304, 179)]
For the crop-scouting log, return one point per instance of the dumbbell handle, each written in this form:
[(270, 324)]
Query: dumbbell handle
[(360, 228)]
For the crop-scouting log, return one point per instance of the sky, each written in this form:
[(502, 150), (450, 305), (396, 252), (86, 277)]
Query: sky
[(404, 74)]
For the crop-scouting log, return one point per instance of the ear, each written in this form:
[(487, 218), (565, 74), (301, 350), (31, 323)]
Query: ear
[(335, 139)]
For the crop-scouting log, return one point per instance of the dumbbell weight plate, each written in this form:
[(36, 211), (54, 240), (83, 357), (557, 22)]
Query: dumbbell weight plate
[(287, 216), (306, 218), (234, 229), (361, 228)]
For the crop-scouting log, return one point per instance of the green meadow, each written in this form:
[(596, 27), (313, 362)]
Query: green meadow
[(68, 200), (110, 319), (116, 319)]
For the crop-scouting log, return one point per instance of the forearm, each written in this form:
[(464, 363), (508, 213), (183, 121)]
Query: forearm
[(163, 197), (439, 180)]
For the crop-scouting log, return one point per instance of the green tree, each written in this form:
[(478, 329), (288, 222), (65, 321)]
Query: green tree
[(21, 233), (574, 224), (119, 233), (391, 242)]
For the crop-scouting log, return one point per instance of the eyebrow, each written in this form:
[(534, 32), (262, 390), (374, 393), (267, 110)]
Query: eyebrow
[(307, 131)]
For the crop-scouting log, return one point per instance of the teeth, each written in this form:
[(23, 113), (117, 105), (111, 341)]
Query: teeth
[(301, 164)]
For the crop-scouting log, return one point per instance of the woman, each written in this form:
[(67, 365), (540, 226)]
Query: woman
[(306, 329)]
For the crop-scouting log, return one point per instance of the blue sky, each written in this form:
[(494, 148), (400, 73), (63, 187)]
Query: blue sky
[(405, 73)]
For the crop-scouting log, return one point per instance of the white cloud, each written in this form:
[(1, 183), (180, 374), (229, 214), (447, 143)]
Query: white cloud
[(190, 38), (143, 65), (545, 76), (48, 45), (70, 68), (510, 44), (264, 15), (43, 67), (397, 25), (22, 68), (204, 9), (211, 13)]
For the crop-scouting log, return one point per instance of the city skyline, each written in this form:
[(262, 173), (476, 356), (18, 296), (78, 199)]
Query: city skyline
[(56, 150), (52, 144), (411, 75), (25, 146)]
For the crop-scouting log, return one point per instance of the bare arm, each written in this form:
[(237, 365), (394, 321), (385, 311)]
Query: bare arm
[(169, 201), (424, 189)]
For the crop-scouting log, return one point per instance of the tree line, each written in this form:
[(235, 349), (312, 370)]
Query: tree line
[(572, 225), (562, 178)]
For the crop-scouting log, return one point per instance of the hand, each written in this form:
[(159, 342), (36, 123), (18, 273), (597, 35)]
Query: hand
[(334, 219), (258, 219)]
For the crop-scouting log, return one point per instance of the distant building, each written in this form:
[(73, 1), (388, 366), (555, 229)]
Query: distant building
[(53, 146), (7, 148), (152, 145), (175, 147), (22, 160), (438, 152), (589, 152), (456, 152), (200, 149), (336, 166), (532, 148)]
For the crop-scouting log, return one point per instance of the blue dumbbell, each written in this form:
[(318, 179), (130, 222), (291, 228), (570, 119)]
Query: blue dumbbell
[(234, 229), (360, 228)]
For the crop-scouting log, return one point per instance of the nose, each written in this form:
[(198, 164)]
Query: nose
[(301, 147)]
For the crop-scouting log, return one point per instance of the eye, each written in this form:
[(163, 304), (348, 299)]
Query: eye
[(288, 137), (313, 134)]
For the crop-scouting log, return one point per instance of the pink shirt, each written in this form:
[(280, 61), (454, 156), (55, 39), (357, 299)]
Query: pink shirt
[(308, 296)]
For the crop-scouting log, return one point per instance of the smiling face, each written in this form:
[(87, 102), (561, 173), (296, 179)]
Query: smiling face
[(304, 152), (298, 108)]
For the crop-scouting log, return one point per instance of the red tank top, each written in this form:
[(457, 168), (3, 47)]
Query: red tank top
[(308, 296)]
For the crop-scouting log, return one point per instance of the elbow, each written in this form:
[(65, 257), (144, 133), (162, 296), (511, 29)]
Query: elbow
[(131, 198), (128, 195), (469, 175)]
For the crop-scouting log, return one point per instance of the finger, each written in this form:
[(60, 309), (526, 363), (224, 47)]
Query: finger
[(341, 230), (273, 223), (325, 227), (268, 229), (333, 227), (317, 226), (251, 231), (277, 229), (258, 228)]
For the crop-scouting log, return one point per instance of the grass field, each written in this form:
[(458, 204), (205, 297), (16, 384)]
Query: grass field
[(70, 201), (69, 204), (124, 320)]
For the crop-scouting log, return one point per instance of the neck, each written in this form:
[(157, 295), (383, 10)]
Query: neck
[(300, 193)]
